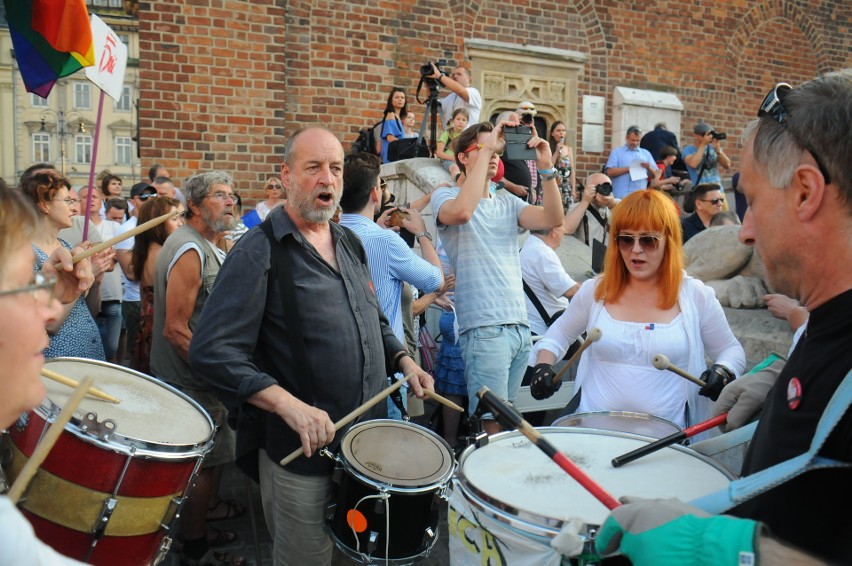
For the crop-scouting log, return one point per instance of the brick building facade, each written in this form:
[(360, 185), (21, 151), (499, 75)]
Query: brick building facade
[(223, 82)]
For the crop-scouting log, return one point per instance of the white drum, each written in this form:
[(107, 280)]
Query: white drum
[(509, 499), (642, 424)]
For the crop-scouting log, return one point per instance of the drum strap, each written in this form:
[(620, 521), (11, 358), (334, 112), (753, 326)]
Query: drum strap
[(750, 486)]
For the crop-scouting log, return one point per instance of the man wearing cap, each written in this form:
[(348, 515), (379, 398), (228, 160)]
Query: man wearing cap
[(462, 96), (620, 160), (703, 157)]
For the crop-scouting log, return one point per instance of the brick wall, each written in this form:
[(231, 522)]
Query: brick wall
[(225, 81)]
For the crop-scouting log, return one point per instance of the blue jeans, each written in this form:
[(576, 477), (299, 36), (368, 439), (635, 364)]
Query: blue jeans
[(496, 357), (109, 325)]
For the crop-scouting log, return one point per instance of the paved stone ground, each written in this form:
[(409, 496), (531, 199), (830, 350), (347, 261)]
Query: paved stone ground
[(237, 486)]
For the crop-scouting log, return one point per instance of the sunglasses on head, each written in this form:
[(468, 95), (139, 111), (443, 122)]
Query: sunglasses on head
[(773, 107), (146, 196), (646, 241)]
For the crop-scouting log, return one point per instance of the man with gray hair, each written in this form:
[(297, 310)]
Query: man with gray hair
[(185, 271), (292, 340), (796, 173)]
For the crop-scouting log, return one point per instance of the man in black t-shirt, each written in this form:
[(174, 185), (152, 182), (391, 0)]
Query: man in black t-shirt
[(797, 177)]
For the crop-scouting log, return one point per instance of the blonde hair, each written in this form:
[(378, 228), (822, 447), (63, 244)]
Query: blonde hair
[(644, 210)]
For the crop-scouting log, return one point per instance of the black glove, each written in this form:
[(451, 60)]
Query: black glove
[(716, 378), (542, 385)]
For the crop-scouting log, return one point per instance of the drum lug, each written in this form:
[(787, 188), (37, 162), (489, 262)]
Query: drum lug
[(371, 544), (165, 546), (103, 430), (329, 511), (428, 536), (327, 453), (103, 519), (172, 512)]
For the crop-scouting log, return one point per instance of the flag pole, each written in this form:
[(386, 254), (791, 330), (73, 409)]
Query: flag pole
[(92, 168)]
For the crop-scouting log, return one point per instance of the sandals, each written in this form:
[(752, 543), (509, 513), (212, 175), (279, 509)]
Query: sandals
[(220, 537), (231, 507), (213, 558)]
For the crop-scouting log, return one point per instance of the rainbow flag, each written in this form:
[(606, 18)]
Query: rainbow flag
[(52, 39)]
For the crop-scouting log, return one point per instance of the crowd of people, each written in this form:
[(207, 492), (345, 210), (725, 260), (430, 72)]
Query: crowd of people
[(280, 330)]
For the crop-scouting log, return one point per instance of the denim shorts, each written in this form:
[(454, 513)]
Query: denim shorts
[(495, 357)]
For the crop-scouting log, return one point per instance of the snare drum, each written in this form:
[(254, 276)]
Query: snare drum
[(390, 479), (642, 424), (509, 499), (109, 489)]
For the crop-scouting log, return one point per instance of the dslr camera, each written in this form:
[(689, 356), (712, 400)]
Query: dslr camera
[(426, 69), (719, 135)]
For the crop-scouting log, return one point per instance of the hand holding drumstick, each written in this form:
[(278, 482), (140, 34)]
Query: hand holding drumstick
[(544, 384)]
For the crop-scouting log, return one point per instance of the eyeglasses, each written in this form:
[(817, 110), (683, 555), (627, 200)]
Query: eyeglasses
[(773, 106), (41, 288), (646, 241), (712, 200), (383, 186), (218, 195), (69, 201), (476, 146)]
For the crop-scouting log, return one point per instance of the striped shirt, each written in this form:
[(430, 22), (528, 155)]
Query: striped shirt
[(392, 262), (484, 256)]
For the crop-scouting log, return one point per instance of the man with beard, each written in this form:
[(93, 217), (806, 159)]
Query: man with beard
[(184, 275), (292, 340)]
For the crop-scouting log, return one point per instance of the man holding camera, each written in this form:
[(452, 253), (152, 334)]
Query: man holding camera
[(520, 176), (588, 219), (630, 155), (703, 157), (462, 96)]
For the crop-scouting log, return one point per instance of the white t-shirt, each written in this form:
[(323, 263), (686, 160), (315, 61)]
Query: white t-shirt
[(453, 101), (543, 272), (19, 545), (111, 283), (131, 288)]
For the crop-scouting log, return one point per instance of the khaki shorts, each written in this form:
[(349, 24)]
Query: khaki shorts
[(224, 445)]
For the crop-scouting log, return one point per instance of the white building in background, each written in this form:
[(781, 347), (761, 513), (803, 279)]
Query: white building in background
[(61, 128)]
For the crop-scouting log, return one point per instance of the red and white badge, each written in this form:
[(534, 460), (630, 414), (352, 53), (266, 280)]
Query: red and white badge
[(794, 393)]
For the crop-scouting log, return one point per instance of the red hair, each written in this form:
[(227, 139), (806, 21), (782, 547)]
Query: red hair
[(644, 210)]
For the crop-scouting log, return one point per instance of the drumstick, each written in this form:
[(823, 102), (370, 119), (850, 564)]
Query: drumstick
[(661, 362), (112, 241), (94, 392), (41, 452), (619, 461), (507, 415), (443, 400), (592, 336), (354, 414)]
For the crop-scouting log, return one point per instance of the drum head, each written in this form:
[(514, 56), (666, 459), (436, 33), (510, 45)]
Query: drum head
[(621, 421), (151, 413), (510, 476), (397, 453)]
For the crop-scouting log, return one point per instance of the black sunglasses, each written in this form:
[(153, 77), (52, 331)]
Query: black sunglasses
[(773, 106), (713, 200), (146, 196)]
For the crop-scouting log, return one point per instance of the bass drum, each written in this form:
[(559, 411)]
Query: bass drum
[(108, 491)]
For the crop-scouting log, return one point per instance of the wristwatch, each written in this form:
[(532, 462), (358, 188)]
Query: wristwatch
[(424, 234)]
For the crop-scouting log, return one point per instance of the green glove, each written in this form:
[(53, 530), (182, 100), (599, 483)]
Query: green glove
[(668, 532)]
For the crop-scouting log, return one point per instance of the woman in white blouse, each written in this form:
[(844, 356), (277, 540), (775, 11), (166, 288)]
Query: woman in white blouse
[(645, 305), (273, 198)]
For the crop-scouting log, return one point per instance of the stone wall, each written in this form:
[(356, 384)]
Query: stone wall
[(225, 81)]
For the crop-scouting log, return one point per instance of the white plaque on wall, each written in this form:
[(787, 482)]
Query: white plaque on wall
[(593, 138), (593, 109)]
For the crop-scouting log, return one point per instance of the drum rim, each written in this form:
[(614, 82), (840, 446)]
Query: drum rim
[(631, 414), (528, 521), (126, 444), (359, 473)]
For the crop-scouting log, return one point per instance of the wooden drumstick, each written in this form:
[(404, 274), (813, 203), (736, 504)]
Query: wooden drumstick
[(94, 392), (661, 362), (377, 398), (592, 336), (113, 241), (47, 442), (443, 400)]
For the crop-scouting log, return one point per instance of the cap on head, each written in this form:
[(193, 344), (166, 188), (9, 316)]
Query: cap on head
[(526, 107), (140, 188), (701, 128)]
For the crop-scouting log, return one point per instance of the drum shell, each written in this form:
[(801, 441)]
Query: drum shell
[(66, 496), (642, 424), (414, 507)]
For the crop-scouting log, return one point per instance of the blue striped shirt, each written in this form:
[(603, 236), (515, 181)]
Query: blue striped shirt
[(392, 262)]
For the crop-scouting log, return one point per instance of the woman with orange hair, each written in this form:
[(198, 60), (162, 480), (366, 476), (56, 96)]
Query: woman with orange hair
[(644, 305)]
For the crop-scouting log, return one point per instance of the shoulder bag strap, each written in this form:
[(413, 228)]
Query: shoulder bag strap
[(548, 320)]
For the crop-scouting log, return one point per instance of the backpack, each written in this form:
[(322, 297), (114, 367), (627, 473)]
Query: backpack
[(369, 139)]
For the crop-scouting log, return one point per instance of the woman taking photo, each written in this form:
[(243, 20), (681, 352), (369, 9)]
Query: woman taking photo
[(145, 251), (74, 332), (645, 305), (563, 161), (395, 110)]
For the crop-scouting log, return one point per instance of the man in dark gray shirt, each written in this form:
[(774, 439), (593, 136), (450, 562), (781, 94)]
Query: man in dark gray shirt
[(292, 339)]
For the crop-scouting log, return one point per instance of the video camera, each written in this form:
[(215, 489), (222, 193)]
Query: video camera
[(719, 135), (426, 70)]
